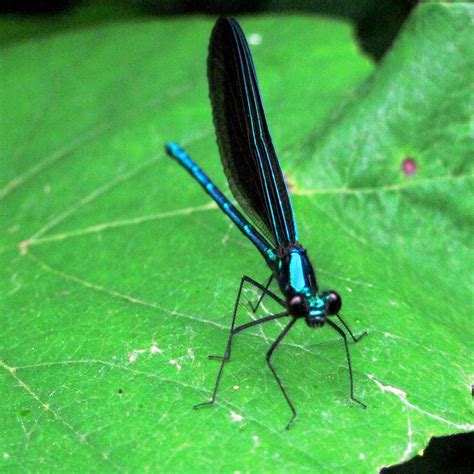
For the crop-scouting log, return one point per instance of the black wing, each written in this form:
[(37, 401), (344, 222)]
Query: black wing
[(245, 145)]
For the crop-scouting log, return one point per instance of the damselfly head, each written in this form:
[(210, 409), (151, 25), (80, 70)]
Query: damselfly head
[(311, 307), (320, 306)]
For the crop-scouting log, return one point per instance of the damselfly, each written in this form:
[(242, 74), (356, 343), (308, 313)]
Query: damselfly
[(257, 183)]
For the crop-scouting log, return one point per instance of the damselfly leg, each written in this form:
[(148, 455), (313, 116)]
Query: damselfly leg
[(354, 338), (277, 378), (267, 285), (348, 357), (235, 330)]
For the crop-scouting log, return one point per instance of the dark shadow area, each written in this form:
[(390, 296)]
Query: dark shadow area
[(41, 7), (444, 455), (377, 22)]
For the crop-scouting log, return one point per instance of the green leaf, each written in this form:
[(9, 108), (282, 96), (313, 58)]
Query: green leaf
[(118, 276)]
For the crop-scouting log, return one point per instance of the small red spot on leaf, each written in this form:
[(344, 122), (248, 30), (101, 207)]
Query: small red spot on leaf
[(409, 166)]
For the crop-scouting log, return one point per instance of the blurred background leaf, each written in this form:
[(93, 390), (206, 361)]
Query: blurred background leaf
[(376, 22)]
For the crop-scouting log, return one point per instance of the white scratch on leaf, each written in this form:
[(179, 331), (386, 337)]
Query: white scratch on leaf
[(133, 356), (404, 399), (175, 363), (410, 444), (16, 284), (235, 416), (154, 349), (388, 388), (226, 237)]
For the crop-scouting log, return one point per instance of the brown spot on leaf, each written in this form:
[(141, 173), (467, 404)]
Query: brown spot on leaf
[(289, 184)]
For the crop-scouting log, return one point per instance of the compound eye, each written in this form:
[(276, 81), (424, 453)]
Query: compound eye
[(297, 306), (334, 303)]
